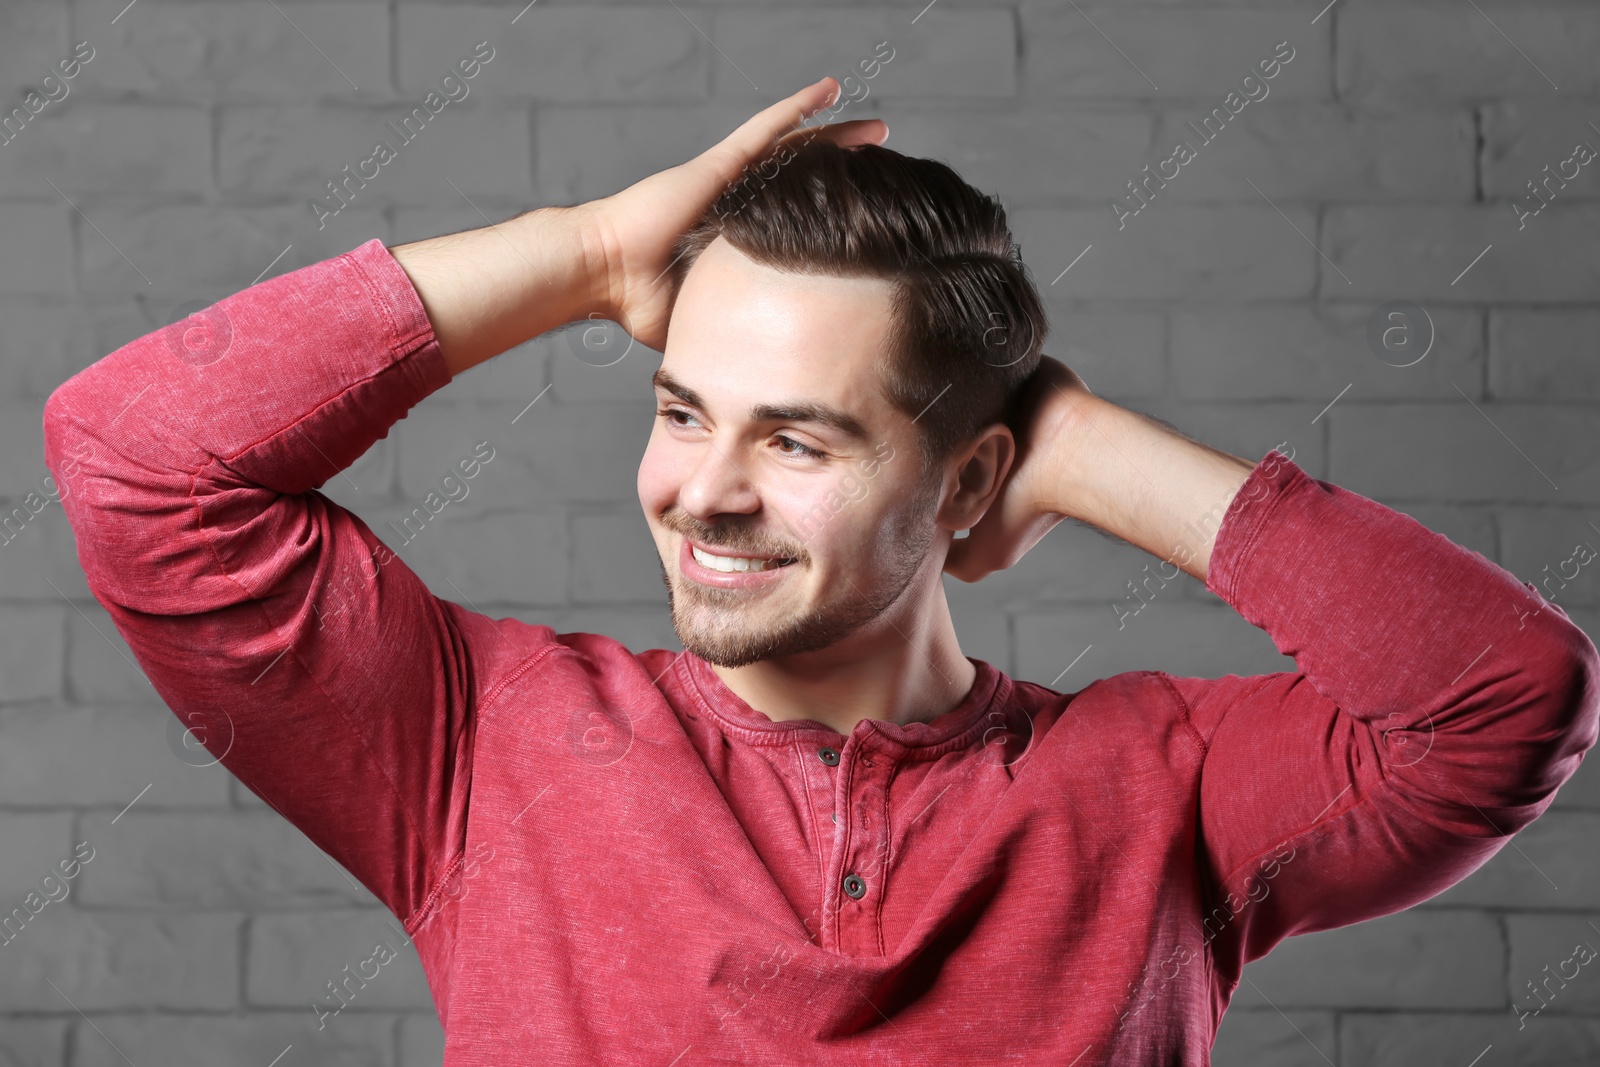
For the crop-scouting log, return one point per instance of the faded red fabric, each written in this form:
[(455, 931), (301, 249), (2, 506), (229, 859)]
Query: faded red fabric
[(607, 857)]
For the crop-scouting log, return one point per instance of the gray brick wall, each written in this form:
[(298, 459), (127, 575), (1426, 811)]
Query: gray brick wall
[(1382, 166)]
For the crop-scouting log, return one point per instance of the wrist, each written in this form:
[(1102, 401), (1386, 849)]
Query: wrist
[(1084, 451), (1143, 481), (485, 291), (595, 261), (568, 275)]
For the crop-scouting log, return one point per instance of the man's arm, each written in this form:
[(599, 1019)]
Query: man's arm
[(1082, 457), (286, 635), (1438, 705), (313, 663), (1142, 481), (487, 291)]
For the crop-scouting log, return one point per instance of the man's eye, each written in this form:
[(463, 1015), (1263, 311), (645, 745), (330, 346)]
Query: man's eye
[(668, 414), (801, 450), (673, 416)]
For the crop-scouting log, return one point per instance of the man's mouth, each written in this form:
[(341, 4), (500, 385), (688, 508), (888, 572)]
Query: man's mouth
[(738, 564)]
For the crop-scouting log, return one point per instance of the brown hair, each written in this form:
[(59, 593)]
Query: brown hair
[(969, 324)]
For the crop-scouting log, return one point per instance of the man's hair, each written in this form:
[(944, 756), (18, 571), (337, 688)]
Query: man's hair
[(968, 323)]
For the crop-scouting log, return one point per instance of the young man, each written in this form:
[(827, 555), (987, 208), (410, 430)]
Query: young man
[(820, 831)]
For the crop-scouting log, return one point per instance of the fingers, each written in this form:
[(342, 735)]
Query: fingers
[(844, 134), (754, 138), (1000, 539), (971, 558), (958, 563)]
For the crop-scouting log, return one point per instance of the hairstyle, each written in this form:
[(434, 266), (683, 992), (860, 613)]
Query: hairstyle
[(968, 323)]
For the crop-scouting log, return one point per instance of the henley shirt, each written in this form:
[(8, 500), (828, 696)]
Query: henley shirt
[(607, 857)]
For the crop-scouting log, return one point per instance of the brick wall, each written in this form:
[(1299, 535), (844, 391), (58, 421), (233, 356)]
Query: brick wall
[(1382, 166)]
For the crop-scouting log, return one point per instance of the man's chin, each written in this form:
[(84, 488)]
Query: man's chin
[(722, 653), (718, 656), (725, 643)]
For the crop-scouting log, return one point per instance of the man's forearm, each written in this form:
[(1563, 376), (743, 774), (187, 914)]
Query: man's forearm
[(1136, 479), (491, 289)]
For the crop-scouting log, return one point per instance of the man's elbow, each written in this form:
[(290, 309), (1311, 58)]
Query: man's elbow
[(1562, 715), (1532, 729), (1577, 694), (65, 442)]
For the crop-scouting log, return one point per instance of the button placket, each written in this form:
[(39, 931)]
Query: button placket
[(871, 840), (830, 756), (864, 859), (860, 845)]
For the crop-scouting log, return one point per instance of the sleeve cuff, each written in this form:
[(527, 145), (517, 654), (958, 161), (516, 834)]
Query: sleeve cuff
[(410, 330), (1246, 518)]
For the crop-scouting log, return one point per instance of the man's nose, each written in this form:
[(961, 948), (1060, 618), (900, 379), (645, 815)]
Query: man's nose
[(718, 485)]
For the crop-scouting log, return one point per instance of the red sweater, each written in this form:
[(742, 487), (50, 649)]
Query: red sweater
[(608, 857)]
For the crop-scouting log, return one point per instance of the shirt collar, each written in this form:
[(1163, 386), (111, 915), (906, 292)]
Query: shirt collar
[(954, 729)]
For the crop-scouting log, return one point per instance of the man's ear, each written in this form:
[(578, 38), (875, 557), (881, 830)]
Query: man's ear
[(981, 470)]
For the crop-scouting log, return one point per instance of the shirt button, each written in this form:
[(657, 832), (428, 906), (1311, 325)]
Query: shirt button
[(830, 756), (834, 816), (854, 886)]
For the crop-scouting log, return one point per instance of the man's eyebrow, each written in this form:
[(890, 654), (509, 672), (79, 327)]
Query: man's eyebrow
[(794, 411)]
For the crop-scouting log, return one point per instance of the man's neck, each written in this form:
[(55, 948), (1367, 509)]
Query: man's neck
[(905, 666)]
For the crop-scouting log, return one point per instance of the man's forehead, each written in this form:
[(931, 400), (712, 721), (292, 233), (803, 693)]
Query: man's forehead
[(728, 290), (782, 345)]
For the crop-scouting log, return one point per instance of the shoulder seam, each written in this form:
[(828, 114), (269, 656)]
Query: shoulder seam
[(1183, 712), (523, 666)]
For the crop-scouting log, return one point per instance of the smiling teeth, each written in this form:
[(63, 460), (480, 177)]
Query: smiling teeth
[(735, 564)]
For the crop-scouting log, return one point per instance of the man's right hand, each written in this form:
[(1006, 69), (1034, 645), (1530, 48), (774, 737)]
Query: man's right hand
[(636, 230), (491, 289)]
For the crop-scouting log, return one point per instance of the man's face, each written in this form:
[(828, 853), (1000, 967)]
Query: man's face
[(723, 474)]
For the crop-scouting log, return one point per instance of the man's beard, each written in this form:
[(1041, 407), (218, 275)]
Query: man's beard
[(737, 635)]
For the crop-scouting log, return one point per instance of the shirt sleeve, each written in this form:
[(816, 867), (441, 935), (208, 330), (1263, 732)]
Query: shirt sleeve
[(1438, 705), (282, 632)]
